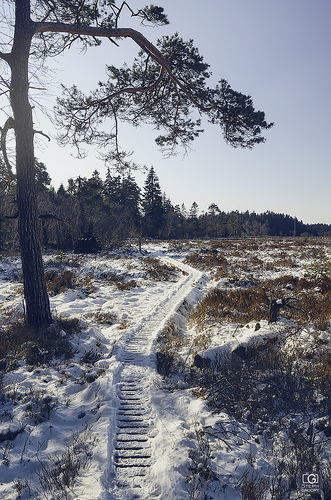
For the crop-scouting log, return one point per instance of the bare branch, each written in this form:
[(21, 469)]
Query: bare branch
[(153, 15), (118, 11), (5, 56), (93, 31), (43, 134), (10, 123)]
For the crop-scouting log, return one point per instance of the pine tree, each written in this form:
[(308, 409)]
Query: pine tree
[(122, 198), (130, 200), (113, 189), (61, 191), (152, 206), (194, 211), (43, 180), (153, 91), (193, 221)]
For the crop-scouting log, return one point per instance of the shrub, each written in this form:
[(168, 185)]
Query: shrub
[(58, 476), (298, 299), (89, 244), (236, 305), (164, 363), (253, 485), (36, 346), (209, 261), (40, 407), (320, 268), (69, 325), (200, 468), (264, 381), (59, 282), (157, 271), (120, 281), (169, 342), (103, 317)]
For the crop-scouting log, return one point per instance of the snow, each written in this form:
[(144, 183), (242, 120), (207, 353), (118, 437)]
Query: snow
[(85, 412)]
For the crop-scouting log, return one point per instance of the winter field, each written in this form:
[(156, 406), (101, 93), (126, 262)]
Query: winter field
[(191, 370)]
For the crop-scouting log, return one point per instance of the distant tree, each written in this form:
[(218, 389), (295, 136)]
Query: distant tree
[(61, 190), (122, 198), (113, 189), (193, 220), (130, 200), (213, 209), (234, 223), (174, 222), (89, 195), (43, 179), (164, 83), (183, 210), (152, 205), (212, 221), (91, 190), (265, 229), (194, 211)]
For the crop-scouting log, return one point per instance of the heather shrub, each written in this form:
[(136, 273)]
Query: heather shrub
[(208, 261), (57, 283), (157, 271)]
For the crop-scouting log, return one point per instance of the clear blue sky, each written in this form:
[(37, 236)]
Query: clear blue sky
[(276, 51)]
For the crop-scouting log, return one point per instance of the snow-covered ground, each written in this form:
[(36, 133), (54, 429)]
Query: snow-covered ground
[(105, 424)]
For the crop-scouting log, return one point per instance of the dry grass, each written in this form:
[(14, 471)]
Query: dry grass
[(58, 474), (57, 283), (208, 260), (103, 317), (156, 271), (120, 281), (233, 306), (253, 485), (300, 300), (35, 346), (265, 383), (170, 341)]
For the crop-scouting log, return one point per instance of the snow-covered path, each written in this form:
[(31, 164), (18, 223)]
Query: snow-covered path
[(128, 428), (99, 422)]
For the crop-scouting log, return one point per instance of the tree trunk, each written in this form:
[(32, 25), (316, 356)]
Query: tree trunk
[(36, 297)]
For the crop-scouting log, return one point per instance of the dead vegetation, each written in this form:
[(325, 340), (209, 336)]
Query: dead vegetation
[(17, 341), (278, 385), (120, 282), (170, 341), (264, 383), (208, 260), (59, 282), (300, 300), (157, 271)]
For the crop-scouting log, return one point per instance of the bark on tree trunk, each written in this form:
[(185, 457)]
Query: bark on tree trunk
[(36, 297)]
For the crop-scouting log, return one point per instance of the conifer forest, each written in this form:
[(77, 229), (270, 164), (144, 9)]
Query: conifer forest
[(93, 213)]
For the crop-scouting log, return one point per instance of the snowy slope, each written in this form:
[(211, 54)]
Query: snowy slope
[(100, 405), (104, 425)]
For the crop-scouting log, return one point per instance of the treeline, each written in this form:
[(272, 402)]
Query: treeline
[(91, 213)]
